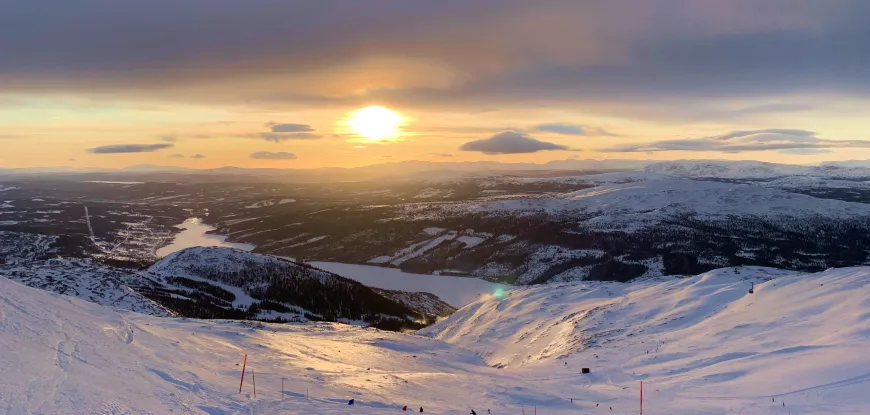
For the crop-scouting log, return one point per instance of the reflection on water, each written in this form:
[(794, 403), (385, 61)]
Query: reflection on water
[(194, 234)]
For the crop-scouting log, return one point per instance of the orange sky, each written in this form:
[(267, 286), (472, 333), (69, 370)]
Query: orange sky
[(630, 79)]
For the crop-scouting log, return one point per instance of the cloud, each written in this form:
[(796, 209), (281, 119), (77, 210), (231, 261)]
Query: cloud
[(806, 151), (775, 139), (177, 156), (290, 128), (279, 137), (572, 129), (443, 154), (268, 155), (72, 159), (510, 142), (128, 148), (772, 109), (197, 156), (451, 53), (169, 138)]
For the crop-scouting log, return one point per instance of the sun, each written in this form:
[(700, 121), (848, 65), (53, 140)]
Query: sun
[(375, 122)]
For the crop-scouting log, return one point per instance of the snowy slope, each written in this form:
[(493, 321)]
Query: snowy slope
[(713, 349), (84, 359), (702, 340), (86, 280)]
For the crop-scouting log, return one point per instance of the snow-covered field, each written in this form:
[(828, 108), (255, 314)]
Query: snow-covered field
[(702, 345)]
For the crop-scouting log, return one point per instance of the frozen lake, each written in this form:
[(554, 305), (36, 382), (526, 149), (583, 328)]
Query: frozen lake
[(456, 291), (194, 234)]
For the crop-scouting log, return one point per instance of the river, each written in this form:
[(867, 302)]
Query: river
[(456, 291)]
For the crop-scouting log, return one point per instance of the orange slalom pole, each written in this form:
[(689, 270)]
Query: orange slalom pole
[(241, 382)]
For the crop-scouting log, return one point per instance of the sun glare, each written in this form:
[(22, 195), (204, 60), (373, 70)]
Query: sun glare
[(375, 123)]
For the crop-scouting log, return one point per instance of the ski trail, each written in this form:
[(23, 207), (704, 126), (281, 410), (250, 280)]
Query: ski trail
[(90, 228), (123, 330), (62, 354)]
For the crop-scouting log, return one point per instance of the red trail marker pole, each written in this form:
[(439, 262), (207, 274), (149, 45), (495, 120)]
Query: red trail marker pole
[(641, 397), (241, 382), (254, 379)]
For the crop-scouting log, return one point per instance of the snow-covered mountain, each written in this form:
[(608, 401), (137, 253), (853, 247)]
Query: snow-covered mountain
[(231, 283), (798, 338), (750, 169), (223, 283), (701, 345), (20, 247), (633, 205), (87, 280)]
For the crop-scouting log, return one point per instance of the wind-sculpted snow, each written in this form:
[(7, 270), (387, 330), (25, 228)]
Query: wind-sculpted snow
[(701, 345)]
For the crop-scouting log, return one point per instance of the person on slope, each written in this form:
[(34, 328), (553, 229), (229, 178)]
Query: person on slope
[(473, 413), (421, 409), (405, 408)]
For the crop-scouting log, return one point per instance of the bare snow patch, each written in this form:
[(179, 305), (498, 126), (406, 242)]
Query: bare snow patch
[(470, 241)]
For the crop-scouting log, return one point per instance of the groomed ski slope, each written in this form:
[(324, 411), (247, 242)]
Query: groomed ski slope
[(702, 345), (713, 349)]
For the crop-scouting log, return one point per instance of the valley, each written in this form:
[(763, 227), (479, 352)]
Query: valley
[(517, 227), (487, 292)]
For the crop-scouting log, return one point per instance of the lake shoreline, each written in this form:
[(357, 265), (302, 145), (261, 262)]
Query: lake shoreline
[(454, 290)]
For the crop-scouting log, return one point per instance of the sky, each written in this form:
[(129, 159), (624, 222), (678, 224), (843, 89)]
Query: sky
[(306, 84)]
